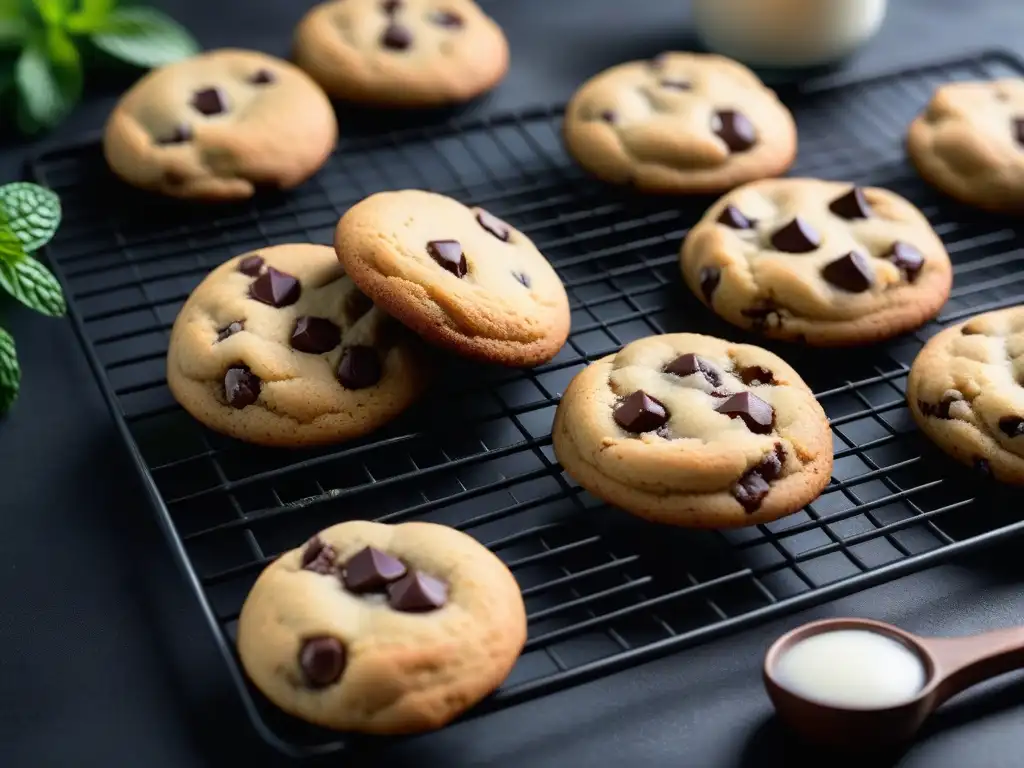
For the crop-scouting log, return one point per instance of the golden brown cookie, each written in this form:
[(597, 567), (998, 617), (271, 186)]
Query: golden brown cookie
[(694, 431), (458, 276), (820, 262), (402, 53), (278, 347), (680, 123), (380, 628), (969, 142), (966, 392), (218, 125)]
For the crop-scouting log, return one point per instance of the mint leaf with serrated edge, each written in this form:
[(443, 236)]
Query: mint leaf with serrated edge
[(49, 78), (145, 37), (10, 371), (31, 212), (31, 283)]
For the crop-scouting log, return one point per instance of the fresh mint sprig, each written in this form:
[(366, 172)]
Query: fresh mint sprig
[(45, 44), (29, 217)]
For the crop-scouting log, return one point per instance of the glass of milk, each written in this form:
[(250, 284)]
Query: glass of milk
[(787, 33)]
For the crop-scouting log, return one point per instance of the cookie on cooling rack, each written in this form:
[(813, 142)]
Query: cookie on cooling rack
[(458, 276), (380, 628), (969, 142), (694, 431), (680, 123), (278, 347), (966, 392), (217, 125), (402, 53), (820, 262)]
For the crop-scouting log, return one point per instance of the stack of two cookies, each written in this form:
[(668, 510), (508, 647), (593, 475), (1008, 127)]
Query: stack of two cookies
[(298, 345)]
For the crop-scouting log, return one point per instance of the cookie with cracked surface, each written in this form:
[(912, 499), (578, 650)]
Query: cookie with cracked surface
[(969, 143), (680, 123), (383, 629), (402, 53), (458, 276), (966, 393), (278, 347), (694, 431), (218, 125), (821, 262)]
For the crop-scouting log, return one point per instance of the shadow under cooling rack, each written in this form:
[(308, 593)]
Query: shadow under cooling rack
[(604, 591)]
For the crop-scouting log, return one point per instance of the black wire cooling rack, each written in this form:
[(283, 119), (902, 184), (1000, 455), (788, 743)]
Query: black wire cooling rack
[(604, 591)]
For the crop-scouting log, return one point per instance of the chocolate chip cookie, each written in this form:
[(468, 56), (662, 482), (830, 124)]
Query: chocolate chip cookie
[(969, 142), (694, 431), (402, 53), (966, 392), (380, 628), (220, 124), (460, 277), (278, 347), (821, 262), (680, 123)]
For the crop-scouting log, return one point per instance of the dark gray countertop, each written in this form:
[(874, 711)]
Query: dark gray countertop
[(104, 660)]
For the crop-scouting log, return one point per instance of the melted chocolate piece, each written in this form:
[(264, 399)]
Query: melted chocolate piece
[(493, 224), (396, 37), (241, 387), (359, 367), (262, 77), (230, 330), (417, 592), (322, 660), (796, 237), (278, 289), (371, 570), (1012, 426), (689, 364), (710, 277), (447, 19), (852, 205), (448, 253), (522, 277), (251, 265), (755, 412), (907, 258), (754, 375), (734, 129), (851, 273), (209, 101), (315, 335), (179, 135), (640, 413), (752, 488), (318, 557), (734, 219), (940, 410)]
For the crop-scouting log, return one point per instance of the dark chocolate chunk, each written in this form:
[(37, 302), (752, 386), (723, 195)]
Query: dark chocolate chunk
[(734, 129), (322, 660), (733, 218), (371, 570), (689, 364), (230, 330), (416, 592), (675, 84), (209, 101), (709, 279), (939, 410), (1012, 426), (262, 77), (851, 272), (755, 412), (755, 374), (522, 277), (391, 7), (982, 467), (640, 413), (318, 557), (907, 258), (251, 265), (241, 387), (315, 335), (396, 37), (752, 488), (852, 205), (1018, 130), (493, 224), (278, 289), (796, 237), (179, 135), (448, 19), (359, 367), (448, 253)]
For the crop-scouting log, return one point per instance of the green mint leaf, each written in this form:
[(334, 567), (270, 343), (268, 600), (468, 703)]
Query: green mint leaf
[(10, 371), (91, 16), (11, 249), (32, 213), (49, 77), (52, 11), (144, 37), (31, 283)]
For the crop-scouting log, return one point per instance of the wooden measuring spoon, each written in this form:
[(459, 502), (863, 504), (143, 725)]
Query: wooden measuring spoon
[(950, 665)]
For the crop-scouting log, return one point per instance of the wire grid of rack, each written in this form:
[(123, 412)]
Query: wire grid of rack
[(603, 590)]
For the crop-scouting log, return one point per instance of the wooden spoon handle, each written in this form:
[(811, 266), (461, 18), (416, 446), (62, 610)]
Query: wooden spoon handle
[(961, 662)]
